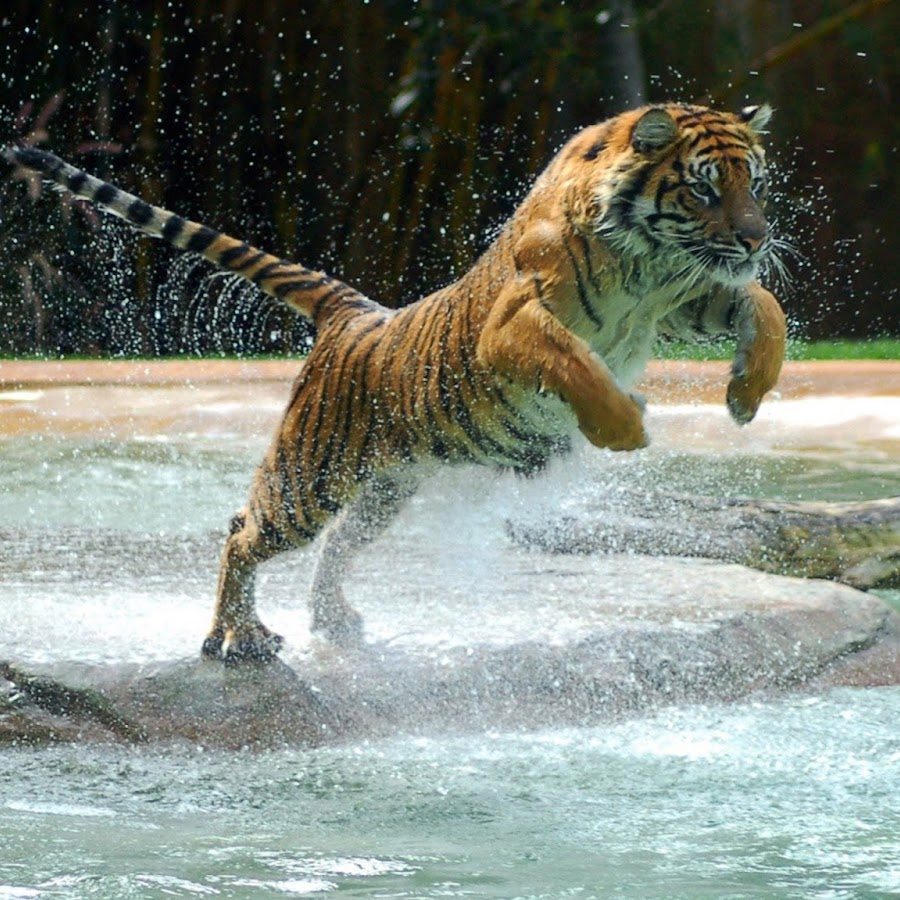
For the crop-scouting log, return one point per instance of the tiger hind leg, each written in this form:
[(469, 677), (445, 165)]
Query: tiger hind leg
[(237, 634), (361, 522)]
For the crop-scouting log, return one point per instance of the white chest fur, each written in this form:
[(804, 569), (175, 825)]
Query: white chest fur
[(629, 325)]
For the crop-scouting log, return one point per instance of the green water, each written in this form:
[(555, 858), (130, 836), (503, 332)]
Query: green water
[(791, 798), (794, 797), (196, 486)]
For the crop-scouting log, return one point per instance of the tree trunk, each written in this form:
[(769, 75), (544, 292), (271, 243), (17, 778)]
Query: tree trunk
[(628, 76)]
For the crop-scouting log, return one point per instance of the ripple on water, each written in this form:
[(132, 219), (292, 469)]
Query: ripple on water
[(790, 798)]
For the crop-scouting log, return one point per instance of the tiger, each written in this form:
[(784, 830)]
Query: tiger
[(647, 224)]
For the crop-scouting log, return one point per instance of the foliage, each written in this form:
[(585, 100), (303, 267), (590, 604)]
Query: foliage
[(876, 348), (52, 308), (386, 142), (865, 349)]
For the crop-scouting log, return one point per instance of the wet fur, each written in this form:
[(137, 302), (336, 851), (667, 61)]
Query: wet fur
[(648, 223)]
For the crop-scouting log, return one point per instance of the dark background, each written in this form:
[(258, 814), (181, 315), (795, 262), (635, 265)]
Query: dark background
[(385, 142)]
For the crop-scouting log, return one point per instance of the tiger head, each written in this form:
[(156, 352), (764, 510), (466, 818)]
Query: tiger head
[(685, 186)]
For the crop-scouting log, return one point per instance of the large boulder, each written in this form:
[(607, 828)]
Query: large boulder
[(574, 652)]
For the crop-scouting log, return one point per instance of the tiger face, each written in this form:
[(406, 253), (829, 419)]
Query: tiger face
[(691, 190)]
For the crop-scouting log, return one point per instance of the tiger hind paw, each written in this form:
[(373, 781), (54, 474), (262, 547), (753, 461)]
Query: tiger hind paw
[(253, 647), (339, 624)]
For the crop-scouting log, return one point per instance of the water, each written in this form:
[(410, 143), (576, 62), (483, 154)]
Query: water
[(795, 796)]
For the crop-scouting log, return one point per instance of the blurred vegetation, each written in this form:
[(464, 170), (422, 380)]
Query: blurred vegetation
[(873, 348), (834, 349), (387, 141)]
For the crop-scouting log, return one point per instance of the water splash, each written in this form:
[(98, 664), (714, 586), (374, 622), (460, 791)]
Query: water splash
[(817, 276), (201, 311)]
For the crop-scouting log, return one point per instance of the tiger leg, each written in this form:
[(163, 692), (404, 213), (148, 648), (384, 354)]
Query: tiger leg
[(237, 632), (361, 522), (761, 334), (525, 341)]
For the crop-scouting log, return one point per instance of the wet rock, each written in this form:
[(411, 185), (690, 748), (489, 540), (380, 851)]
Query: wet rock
[(25, 724), (855, 543), (62, 700), (689, 631)]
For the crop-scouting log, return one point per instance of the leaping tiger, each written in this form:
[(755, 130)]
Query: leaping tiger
[(650, 222)]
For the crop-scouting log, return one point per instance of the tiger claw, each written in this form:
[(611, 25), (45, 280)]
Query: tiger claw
[(739, 366), (640, 401)]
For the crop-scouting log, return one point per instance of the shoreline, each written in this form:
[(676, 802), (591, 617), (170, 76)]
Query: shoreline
[(848, 407), (664, 381)]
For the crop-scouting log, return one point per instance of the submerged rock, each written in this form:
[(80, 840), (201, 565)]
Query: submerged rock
[(857, 543), (689, 631)]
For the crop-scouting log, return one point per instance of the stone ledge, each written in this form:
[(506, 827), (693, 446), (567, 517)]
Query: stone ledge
[(597, 659), (665, 381)]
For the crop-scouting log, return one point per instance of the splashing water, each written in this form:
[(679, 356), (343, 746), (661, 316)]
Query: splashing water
[(223, 314), (785, 798)]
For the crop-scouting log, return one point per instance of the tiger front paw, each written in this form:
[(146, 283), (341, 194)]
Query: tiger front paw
[(743, 399), (618, 425), (747, 388), (762, 332)]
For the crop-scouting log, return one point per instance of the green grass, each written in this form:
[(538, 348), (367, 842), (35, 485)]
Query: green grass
[(875, 348), (841, 348)]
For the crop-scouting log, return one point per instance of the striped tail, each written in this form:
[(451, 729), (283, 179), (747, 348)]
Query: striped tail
[(306, 291)]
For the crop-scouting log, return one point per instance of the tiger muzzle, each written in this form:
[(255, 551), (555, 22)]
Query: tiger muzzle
[(750, 226)]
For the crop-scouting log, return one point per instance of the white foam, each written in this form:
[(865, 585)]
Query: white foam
[(20, 397), (59, 809)]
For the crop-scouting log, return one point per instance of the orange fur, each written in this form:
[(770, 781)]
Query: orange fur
[(763, 356)]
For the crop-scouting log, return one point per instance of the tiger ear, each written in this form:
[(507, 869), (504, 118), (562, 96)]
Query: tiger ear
[(757, 117), (654, 130)]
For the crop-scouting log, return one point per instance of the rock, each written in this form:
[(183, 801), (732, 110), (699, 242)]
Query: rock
[(59, 699), (689, 631), (856, 543)]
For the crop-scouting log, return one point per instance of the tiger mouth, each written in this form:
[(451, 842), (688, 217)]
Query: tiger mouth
[(728, 268), (734, 272)]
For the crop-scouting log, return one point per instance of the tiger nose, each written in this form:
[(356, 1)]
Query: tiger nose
[(751, 230)]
